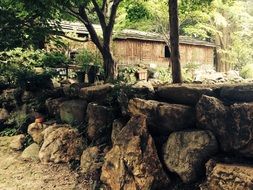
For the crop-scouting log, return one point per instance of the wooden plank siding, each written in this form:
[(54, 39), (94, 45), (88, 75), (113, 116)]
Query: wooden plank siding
[(135, 51), (131, 51), (128, 52)]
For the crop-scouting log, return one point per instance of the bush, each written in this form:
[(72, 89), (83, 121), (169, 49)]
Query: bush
[(86, 58), (17, 68), (247, 71), (54, 59), (128, 74)]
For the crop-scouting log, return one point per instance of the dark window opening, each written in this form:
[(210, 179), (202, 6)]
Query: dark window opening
[(80, 35), (167, 52), (72, 55)]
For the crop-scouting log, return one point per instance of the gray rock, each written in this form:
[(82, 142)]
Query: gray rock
[(185, 153), (31, 152), (53, 106), (72, 90), (188, 95), (96, 93), (214, 116), (241, 93), (232, 126), (99, 118), (163, 118), (73, 111), (141, 89)]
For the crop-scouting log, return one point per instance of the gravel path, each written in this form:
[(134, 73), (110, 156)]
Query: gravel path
[(17, 174)]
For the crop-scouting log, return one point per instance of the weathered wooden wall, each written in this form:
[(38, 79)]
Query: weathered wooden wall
[(136, 51), (131, 51), (203, 55), (147, 52)]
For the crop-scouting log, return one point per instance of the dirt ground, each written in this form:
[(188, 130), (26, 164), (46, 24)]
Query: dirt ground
[(17, 174)]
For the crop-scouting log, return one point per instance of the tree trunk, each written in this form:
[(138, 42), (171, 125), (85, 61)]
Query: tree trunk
[(174, 41), (110, 68)]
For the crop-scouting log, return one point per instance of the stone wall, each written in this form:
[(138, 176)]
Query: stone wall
[(141, 137)]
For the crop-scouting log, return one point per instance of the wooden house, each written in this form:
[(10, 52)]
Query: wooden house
[(137, 47)]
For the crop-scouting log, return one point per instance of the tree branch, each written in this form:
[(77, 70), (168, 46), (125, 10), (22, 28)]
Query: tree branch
[(109, 28), (74, 14), (100, 15), (90, 28), (103, 6)]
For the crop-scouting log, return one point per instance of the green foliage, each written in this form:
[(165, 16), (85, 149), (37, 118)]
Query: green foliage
[(128, 74), (188, 71), (17, 68), (136, 11), (8, 132), (247, 71), (16, 122), (164, 74), (25, 23), (54, 59), (86, 58), (146, 15)]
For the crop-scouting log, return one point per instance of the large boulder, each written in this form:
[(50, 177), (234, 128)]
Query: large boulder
[(53, 106), (10, 98), (185, 153), (96, 93), (242, 128), (133, 163), (233, 126), (188, 95), (72, 90), (229, 177), (99, 119), (4, 115), (241, 93), (73, 111), (31, 153), (61, 144), (163, 118), (17, 142), (213, 115), (90, 160), (141, 89), (35, 131)]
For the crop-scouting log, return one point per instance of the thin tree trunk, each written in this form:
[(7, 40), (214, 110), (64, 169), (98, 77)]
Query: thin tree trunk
[(174, 41), (110, 68)]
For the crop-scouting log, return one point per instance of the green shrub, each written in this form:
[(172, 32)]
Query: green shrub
[(85, 58), (247, 71), (188, 71), (54, 59), (128, 74), (17, 68)]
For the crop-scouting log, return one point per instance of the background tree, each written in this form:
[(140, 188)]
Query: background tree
[(105, 12), (24, 25), (174, 41)]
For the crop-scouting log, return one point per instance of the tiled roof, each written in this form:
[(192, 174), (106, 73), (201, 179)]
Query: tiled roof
[(78, 27)]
